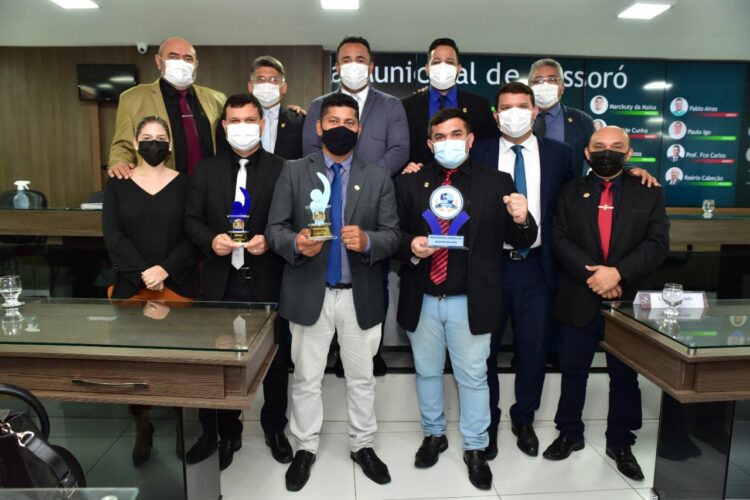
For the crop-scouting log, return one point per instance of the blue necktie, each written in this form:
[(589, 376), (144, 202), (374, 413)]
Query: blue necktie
[(519, 176), (333, 273)]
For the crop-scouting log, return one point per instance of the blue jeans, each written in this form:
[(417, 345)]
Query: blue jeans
[(444, 322)]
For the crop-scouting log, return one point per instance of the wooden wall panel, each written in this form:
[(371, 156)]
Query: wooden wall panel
[(45, 134)]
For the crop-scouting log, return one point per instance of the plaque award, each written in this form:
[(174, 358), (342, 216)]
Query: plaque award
[(240, 218), (446, 204), (320, 227)]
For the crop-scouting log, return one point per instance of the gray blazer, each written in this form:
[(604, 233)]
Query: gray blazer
[(385, 133), (371, 204)]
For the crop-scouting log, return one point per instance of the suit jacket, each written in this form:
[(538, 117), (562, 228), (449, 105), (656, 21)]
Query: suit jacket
[(209, 202), (638, 245), (417, 108), (578, 129), (555, 170), (146, 99), (489, 226), (371, 204), (288, 143), (384, 139)]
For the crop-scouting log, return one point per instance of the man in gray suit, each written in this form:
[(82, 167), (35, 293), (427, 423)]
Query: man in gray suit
[(384, 139), (334, 285)]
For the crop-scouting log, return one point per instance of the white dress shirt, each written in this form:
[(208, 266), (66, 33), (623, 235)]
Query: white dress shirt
[(507, 162), (268, 138), (360, 97)]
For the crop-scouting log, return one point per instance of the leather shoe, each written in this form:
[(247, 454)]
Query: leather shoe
[(299, 472), (491, 451), (561, 448), (144, 441), (280, 447), (379, 368), (428, 453), (227, 447), (480, 474), (202, 449), (626, 462), (372, 466), (527, 441)]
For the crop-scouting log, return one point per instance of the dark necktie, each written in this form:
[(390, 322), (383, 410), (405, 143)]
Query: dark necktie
[(439, 267), (333, 272), (192, 141), (541, 129), (519, 178), (606, 207), (443, 101)]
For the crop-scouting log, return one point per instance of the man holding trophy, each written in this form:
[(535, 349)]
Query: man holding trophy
[(333, 219), (455, 215)]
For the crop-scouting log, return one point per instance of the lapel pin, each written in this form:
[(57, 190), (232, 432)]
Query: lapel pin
[(426, 184), (586, 195), (465, 110), (570, 120), (283, 125), (356, 187)]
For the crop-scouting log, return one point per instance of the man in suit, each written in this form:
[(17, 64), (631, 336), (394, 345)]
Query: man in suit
[(450, 298), (674, 176), (238, 272), (443, 68), (539, 168), (191, 111), (609, 233), (675, 157), (334, 285)]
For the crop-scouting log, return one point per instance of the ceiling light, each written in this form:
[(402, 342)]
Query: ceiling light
[(662, 85), (76, 4), (642, 10), (339, 4)]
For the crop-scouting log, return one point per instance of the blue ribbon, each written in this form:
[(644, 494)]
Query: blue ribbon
[(238, 208), (454, 227)]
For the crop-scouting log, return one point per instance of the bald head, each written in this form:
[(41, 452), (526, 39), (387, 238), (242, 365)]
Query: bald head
[(177, 49), (612, 138), (176, 45)]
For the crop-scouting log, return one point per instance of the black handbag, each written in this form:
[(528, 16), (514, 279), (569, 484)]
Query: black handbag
[(27, 460)]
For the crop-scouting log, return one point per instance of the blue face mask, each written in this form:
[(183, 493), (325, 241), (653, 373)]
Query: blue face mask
[(450, 153)]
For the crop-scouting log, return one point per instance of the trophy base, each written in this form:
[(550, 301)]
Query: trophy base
[(238, 236), (447, 242), (321, 232)]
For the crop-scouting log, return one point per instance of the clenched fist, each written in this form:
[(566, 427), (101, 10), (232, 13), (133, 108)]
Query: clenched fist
[(517, 206)]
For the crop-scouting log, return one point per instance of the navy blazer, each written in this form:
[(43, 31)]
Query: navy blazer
[(578, 129), (556, 170)]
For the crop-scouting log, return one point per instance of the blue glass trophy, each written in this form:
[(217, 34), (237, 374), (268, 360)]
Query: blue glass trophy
[(239, 219)]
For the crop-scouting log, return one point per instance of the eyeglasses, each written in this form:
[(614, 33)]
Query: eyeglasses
[(263, 79), (545, 79)]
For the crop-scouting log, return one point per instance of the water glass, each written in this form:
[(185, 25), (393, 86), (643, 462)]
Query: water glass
[(672, 295), (708, 208), (10, 289)]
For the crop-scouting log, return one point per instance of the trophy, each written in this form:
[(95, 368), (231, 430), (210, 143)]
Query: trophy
[(446, 206), (240, 218), (320, 227)]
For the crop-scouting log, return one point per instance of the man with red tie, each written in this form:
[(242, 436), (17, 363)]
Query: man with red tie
[(609, 233)]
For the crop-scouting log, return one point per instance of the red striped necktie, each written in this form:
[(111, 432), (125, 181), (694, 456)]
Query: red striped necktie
[(606, 207), (192, 140), (439, 268)]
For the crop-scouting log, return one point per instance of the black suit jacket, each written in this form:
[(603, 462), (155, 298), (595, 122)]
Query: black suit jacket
[(417, 108), (638, 245), (555, 171), (489, 226), (578, 129), (288, 143), (209, 202)]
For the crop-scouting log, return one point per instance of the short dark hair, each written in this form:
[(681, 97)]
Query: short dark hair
[(151, 119), (338, 99), (446, 114), (354, 39), (515, 88), (240, 101), (267, 62), (442, 41)]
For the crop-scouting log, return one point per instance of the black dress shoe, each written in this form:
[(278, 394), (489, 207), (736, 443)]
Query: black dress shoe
[(427, 454), (626, 462), (379, 368), (338, 366), (561, 448), (144, 441), (372, 466), (202, 449), (491, 451), (480, 474), (527, 441), (227, 447), (299, 472), (280, 447)]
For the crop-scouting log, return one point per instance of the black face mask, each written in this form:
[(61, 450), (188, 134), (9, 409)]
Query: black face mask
[(339, 140), (606, 163), (153, 152)]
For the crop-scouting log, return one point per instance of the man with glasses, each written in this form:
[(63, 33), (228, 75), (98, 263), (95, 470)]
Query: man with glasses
[(191, 111)]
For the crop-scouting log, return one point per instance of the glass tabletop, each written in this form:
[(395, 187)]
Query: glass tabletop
[(724, 323), (78, 494), (198, 326), (716, 216)]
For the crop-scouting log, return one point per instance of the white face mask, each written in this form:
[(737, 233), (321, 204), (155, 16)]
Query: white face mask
[(443, 76), (545, 94), (243, 136), (179, 73), (515, 122), (450, 153), (355, 76), (267, 93)]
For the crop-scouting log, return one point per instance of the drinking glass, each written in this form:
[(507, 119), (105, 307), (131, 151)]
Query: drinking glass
[(672, 295), (708, 208), (10, 289)]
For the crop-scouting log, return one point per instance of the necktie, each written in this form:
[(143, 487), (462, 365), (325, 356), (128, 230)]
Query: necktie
[(443, 101), (192, 141), (541, 129), (333, 272), (519, 177), (268, 139), (439, 266), (238, 254), (606, 207)]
